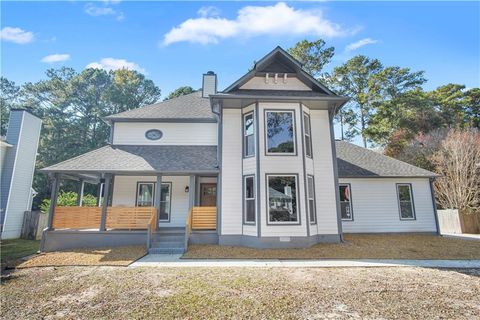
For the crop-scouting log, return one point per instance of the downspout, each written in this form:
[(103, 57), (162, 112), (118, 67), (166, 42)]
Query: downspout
[(216, 109)]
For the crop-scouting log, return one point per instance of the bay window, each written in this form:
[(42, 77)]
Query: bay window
[(249, 199), (248, 135), (282, 199), (280, 132)]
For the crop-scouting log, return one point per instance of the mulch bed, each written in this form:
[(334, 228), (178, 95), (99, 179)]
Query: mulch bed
[(356, 246), (119, 256)]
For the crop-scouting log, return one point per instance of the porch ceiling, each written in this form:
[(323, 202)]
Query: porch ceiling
[(130, 159)]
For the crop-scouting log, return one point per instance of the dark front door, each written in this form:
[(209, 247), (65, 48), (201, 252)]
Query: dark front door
[(208, 194)]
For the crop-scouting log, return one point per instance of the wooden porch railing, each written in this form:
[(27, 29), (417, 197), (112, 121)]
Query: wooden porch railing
[(129, 218), (77, 217), (204, 218), (117, 217)]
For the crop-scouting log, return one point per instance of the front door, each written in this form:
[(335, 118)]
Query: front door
[(208, 194)]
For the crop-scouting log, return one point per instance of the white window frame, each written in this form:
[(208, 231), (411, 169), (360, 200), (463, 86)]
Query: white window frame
[(139, 183), (245, 135), (412, 205), (306, 120), (245, 199), (269, 222), (294, 128), (169, 202), (311, 197), (349, 186)]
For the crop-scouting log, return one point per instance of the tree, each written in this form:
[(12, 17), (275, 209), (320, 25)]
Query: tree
[(458, 163), (450, 102), (313, 55), (472, 99), (72, 105), (355, 79), (180, 92), (8, 100)]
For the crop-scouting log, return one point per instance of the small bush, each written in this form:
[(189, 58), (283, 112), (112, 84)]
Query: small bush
[(69, 199)]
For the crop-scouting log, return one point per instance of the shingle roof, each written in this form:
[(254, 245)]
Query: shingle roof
[(355, 161), (123, 158), (189, 106)]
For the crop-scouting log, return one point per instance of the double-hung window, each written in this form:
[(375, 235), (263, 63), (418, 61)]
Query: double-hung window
[(311, 199), (248, 135), (145, 194), (282, 199), (346, 202), (249, 199), (280, 132), (307, 135), (146, 197), (405, 201)]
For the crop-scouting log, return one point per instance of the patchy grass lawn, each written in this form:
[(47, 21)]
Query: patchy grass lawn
[(118, 256), (356, 246), (11, 250), (241, 293)]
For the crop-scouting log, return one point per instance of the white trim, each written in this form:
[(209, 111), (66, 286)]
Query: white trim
[(412, 206)]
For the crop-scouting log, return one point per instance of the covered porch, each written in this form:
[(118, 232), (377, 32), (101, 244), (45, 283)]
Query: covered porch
[(133, 206)]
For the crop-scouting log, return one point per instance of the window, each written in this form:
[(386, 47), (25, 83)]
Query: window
[(146, 198), (248, 135), (145, 194), (346, 202), (282, 199), (249, 194), (405, 201), (280, 132), (153, 134), (308, 135), (311, 199), (165, 202)]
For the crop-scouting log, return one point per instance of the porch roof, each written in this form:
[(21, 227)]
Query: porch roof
[(130, 159)]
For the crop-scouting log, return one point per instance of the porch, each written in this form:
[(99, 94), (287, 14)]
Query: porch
[(142, 198)]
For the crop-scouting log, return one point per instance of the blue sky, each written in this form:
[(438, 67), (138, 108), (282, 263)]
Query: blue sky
[(174, 43)]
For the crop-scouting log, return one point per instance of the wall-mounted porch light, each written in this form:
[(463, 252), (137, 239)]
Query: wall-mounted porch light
[(187, 189)]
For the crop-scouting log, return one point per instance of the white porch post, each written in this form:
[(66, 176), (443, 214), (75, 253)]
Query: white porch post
[(53, 200), (103, 219), (81, 187), (99, 195)]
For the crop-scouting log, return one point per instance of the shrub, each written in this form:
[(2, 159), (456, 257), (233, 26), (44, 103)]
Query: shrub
[(69, 199)]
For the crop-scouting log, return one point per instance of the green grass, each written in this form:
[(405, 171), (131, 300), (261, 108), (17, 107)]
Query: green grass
[(17, 248)]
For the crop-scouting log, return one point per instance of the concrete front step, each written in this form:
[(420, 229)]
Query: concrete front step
[(166, 250), (168, 238), (168, 245)]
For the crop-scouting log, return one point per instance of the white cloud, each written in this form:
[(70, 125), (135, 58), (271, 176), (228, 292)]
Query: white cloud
[(16, 35), (278, 19), (115, 64), (209, 11), (56, 58), (105, 10), (360, 43)]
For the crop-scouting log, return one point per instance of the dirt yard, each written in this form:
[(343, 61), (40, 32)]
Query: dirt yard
[(356, 246), (240, 293), (119, 256)]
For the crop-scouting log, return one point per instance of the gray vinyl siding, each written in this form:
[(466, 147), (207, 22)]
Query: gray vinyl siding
[(19, 167)]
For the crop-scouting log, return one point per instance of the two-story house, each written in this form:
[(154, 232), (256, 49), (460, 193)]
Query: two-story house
[(254, 165)]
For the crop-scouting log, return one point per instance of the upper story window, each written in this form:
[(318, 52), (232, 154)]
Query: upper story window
[(405, 201), (248, 135), (280, 132), (307, 134)]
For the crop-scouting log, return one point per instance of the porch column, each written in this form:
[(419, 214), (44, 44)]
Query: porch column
[(81, 186), (191, 188), (106, 192), (53, 200), (158, 195), (99, 195)]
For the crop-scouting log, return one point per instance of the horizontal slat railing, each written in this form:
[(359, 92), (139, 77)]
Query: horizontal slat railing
[(129, 218), (204, 218), (77, 217)]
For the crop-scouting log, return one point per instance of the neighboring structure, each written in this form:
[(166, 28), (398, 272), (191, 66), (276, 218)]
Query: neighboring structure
[(18, 152), (254, 165)]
